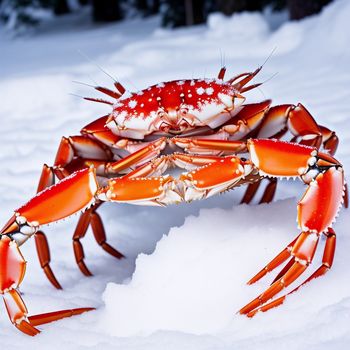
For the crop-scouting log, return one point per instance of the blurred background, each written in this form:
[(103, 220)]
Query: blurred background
[(20, 14)]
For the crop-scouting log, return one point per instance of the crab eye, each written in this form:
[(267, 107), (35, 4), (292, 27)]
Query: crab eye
[(160, 114), (184, 111)]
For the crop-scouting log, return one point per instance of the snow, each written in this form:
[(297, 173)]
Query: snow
[(184, 276)]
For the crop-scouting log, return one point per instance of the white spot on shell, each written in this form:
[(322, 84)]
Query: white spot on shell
[(209, 91), (132, 104), (200, 91)]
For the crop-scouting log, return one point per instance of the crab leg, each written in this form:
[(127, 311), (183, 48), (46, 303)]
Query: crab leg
[(299, 121), (209, 146), (37, 320), (137, 158), (267, 122), (99, 131), (316, 210), (240, 125), (142, 191), (216, 176), (74, 193), (68, 196), (250, 192), (267, 196), (275, 262), (79, 233), (82, 146), (91, 217), (278, 119), (12, 270), (69, 147), (327, 262), (158, 166), (44, 256), (191, 162), (155, 167), (245, 122), (47, 179), (105, 168), (330, 140), (269, 192), (100, 235)]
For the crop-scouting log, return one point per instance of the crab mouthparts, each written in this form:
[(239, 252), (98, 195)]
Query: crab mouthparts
[(176, 127), (175, 122)]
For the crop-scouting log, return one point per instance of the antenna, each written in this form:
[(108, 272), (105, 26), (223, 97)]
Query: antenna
[(269, 56), (97, 65)]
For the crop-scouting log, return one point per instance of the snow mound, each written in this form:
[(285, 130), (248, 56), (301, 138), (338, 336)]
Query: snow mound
[(240, 27), (195, 280), (326, 33)]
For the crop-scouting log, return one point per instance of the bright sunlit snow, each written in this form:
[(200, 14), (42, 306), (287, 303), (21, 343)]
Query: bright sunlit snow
[(187, 266)]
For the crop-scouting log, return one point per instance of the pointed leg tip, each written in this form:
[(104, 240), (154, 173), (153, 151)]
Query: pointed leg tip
[(121, 256), (252, 313), (257, 277), (244, 310), (117, 254), (251, 306), (82, 310), (49, 317), (83, 268), (54, 282)]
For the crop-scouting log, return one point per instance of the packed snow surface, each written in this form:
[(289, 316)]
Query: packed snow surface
[(184, 276)]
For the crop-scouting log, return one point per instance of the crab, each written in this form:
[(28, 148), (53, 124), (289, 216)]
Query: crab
[(176, 142)]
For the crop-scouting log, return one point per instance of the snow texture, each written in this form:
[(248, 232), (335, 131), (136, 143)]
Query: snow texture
[(184, 276)]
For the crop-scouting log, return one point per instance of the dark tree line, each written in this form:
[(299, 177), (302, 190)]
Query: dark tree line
[(174, 13), (187, 12)]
